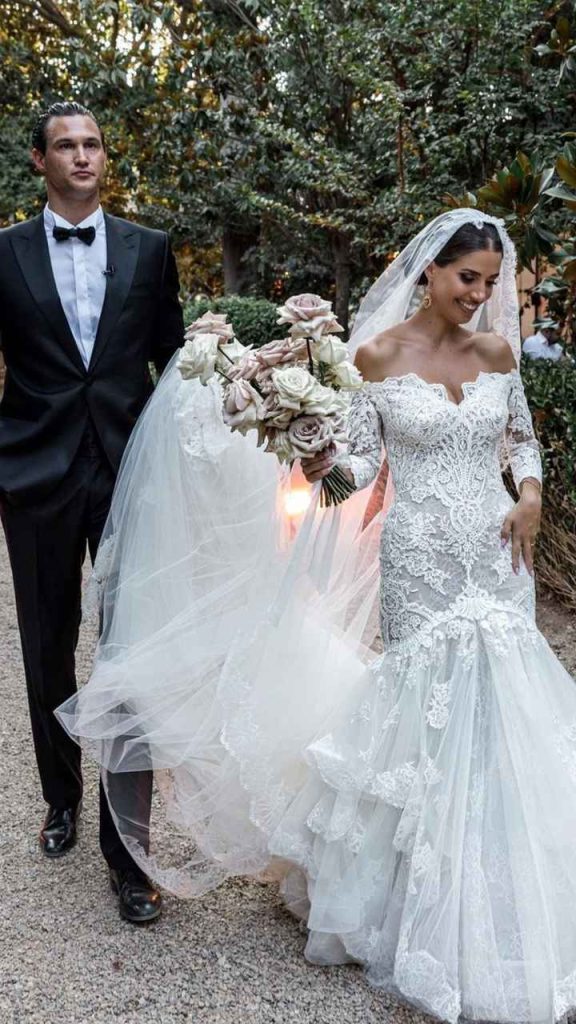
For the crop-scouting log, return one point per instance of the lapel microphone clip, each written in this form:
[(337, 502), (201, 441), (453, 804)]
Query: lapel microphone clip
[(110, 271)]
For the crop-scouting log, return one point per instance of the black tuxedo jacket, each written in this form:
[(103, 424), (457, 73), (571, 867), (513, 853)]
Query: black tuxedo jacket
[(49, 395)]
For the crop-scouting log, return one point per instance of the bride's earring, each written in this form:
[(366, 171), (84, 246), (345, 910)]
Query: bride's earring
[(427, 300)]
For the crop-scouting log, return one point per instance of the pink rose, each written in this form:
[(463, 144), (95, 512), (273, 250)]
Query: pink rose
[(241, 406), (212, 323), (304, 307), (276, 353), (310, 434), (246, 368), (309, 316)]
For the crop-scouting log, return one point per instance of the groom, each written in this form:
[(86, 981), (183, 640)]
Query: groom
[(86, 302)]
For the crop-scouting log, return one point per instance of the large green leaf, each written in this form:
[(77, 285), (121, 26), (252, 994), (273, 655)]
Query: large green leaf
[(566, 170)]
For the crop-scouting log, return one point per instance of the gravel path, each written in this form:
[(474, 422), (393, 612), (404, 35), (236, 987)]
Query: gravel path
[(233, 957)]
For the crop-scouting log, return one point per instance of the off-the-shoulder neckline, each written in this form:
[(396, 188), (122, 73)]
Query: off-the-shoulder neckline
[(465, 385)]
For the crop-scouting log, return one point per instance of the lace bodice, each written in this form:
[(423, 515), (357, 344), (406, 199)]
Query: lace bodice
[(441, 537), (403, 421)]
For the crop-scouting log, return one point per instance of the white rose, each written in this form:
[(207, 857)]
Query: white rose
[(293, 385), (346, 376), (322, 401), (274, 415), (329, 349), (229, 353), (198, 357), (212, 323), (279, 444)]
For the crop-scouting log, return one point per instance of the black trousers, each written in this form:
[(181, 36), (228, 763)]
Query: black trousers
[(47, 544)]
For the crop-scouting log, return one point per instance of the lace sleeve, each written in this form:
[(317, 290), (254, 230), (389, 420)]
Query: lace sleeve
[(522, 447), (364, 456)]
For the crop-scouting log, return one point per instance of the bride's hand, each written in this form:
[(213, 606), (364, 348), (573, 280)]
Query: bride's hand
[(523, 524), (318, 466)]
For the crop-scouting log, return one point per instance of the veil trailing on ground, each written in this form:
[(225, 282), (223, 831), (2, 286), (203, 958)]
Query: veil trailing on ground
[(232, 632)]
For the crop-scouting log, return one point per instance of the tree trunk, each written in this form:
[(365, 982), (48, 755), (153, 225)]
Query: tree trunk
[(342, 275), (235, 245)]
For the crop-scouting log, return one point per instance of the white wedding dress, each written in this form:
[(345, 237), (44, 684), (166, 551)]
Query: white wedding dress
[(437, 829), (419, 805)]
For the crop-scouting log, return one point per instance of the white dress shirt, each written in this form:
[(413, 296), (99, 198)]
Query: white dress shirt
[(537, 347), (79, 275)]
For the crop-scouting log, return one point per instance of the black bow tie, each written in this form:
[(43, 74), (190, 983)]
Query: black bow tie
[(86, 235)]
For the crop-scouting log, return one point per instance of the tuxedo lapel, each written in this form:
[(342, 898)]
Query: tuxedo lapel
[(122, 246), (31, 251)]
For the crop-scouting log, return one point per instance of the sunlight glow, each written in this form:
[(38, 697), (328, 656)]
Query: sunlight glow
[(297, 501)]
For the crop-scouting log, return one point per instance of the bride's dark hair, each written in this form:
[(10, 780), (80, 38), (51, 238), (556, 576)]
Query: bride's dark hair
[(465, 240)]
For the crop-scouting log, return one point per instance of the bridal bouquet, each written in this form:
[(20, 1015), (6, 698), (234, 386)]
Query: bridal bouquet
[(292, 391)]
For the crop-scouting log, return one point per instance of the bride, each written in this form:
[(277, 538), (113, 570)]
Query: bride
[(417, 805)]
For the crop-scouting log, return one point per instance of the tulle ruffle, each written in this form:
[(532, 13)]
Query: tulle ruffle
[(435, 833)]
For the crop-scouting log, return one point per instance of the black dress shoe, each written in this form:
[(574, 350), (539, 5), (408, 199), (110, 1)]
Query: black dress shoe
[(138, 901), (58, 833)]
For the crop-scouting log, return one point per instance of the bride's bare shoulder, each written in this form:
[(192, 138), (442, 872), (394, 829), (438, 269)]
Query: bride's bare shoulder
[(375, 357), (494, 351)]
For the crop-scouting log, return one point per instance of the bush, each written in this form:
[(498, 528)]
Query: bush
[(253, 320), (551, 393)]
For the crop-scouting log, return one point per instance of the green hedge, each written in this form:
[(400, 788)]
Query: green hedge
[(551, 392), (254, 320)]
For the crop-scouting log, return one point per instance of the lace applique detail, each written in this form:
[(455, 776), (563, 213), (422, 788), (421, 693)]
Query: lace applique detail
[(521, 444), (201, 430), (419, 972), (439, 706), (336, 820), (565, 742), (441, 561), (364, 456), (394, 786)]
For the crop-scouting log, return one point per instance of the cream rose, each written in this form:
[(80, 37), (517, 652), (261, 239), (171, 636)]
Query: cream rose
[(230, 353), (329, 349), (198, 357), (293, 385), (322, 401), (278, 443), (241, 406), (346, 376), (212, 323)]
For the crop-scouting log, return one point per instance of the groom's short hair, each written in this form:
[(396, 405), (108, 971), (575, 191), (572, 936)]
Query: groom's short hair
[(68, 108)]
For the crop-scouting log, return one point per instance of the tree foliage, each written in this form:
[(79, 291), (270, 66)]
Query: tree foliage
[(296, 143)]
